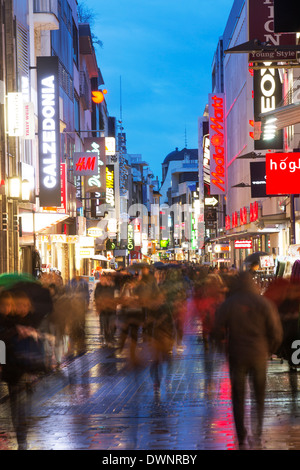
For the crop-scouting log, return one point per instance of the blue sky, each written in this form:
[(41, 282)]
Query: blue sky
[(163, 51)]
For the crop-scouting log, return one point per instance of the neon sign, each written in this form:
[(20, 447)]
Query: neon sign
[(217, 143), (85, 164), (130, 238), (110, 189), (48, 125), (96, 182), (98, 96), (243, 244)]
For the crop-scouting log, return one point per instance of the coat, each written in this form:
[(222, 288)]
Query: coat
[(251, 324)]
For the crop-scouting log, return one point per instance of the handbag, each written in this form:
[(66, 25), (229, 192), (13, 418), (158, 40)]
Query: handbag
[(28, 354)]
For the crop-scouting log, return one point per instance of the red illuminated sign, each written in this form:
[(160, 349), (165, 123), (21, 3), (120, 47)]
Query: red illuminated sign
[(243, 215), (217, 143), (227, 222), (282, 173), (243, 244), (253, 211), (85, 163), (234, 219)]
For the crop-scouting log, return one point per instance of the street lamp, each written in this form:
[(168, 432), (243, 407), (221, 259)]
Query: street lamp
[(18, 189), (14, 187)]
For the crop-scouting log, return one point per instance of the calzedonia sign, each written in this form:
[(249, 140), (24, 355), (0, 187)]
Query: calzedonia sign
[(48, 131), (217, 143)]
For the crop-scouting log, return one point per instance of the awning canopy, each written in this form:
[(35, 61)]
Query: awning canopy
[(39, 221), (282, 117)]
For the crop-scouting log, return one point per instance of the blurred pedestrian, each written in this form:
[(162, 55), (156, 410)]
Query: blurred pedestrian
[(147, 291), (251, 326), (25, 356), (286, 294), (131, 318), (163, 338), (106, 302), (78, 289), (207, 300)]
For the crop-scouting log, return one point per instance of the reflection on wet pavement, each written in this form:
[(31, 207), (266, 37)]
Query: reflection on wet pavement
[(99, 401)]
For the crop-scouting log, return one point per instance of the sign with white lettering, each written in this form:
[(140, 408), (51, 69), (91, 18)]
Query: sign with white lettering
[(282, 173), (96, 183), (267, 89), (261, 27), (243, 244), (15, 114), (48, 131), (217, 143), (110, 185), (258, 179)]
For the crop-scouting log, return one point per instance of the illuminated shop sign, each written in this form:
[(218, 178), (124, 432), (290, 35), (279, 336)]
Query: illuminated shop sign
[(258, 179), (243, 216), (130, 238), (261, 27), (110, 146), (253, 211), (221, 248), (227, 222), (96, 183), (85, 163), (243, 244), (217, 143), (62, 208), (48, 131), (95, 232), (267, 96), (98, 96), (29, 128), (234, 219), (110, 185), (282, 173), (15, 112)]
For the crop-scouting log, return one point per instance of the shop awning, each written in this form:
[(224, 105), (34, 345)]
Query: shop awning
[(40, 220), (282, 117), (99, 258)]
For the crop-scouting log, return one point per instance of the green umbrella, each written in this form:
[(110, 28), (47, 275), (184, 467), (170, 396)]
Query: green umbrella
[(9, 279)]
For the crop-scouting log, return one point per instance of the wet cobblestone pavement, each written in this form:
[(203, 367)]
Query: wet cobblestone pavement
[(99, 402)]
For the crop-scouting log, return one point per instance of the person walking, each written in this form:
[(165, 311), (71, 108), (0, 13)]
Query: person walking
[(251, 327)]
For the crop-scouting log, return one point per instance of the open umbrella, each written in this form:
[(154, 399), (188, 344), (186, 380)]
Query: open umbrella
[(254, 257), (9, 279), (159, 265), (40, 297)]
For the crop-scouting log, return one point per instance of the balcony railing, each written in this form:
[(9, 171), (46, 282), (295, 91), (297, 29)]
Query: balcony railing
[(45, 6)]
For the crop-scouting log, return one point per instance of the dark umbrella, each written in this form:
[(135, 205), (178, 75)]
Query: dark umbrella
[(40, 298), (159, 264), (254, 257)]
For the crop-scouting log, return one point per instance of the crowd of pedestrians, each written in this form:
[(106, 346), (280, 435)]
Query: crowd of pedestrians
[(142, 313)]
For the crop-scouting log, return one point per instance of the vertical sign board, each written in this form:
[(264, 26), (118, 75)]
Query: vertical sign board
[(267, 89), (267, 84), (258, 179), (217, 136), (110, 186), (96, 183), (48, 131), (261, 27)]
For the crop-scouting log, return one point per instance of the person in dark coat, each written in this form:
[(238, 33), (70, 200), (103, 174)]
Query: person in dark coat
[(251, 325)]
